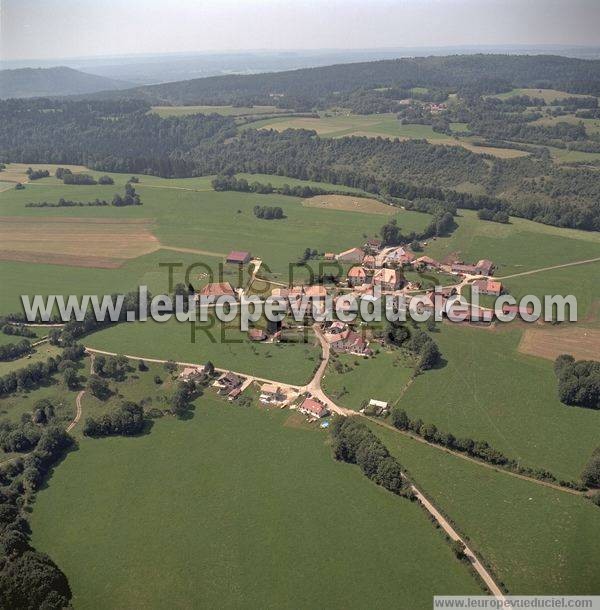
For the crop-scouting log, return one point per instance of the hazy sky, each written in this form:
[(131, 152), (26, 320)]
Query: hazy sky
[(70, 28)]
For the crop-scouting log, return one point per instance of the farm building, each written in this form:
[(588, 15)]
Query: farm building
[(485, 267), (353, 255), (399, 256), (376, 407), (373, 245), (427, 262), (238, 257), (313, 408)]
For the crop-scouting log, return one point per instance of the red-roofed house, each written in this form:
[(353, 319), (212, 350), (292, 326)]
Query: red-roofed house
[(358, 276), (388, 279), (428, 262), (217, 289), (313, 408)]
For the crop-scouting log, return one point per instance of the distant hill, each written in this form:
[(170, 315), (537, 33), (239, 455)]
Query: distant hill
[(41, 82), (475, 73)]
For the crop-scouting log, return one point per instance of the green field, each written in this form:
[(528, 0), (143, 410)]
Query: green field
[(382, 377), (489, 391), (519, 246), (233, 509), (536, 540), (224, 346), (378, 125), (193, 217)]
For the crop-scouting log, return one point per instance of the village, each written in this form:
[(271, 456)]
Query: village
[(370, 271)]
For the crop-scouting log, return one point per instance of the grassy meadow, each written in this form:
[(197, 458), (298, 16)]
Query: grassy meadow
[(225, 346), (235, 508), (489, 391), (535, 539), (383, 377)]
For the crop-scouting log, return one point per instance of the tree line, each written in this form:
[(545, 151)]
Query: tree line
[(481, 450)]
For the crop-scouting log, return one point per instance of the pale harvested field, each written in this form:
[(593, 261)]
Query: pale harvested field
[(581, 343), (15, 172), (102, 243), (348, 203)]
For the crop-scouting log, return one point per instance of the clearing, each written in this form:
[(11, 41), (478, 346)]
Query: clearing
[(349, 204)]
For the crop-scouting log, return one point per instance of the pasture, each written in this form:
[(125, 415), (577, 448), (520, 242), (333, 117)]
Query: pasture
[(41, 353), (535, 539), (348, 203), (489, 391), (238, 510), (225, 346), (519, 246), (385, 377)]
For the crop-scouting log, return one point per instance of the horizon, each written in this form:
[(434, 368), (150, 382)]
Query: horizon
[(34, 31)]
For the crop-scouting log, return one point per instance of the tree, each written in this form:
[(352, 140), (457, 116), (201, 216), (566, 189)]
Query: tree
[(458, 548), (70, 378), (591, 473), (400, 419), (33, 580), (105, 180), (170, 366), (98, 387), (142, 366), (209, 369)]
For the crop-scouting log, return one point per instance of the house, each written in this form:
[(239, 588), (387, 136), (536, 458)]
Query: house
[(271, 393), (228, 382), (388, 279), (427, 262), (316, 292), (369, 261), (329, 256), (358, 276), (313, 408), (238, 257), (356, 344), (484, 267), (376, 407), (399, 256), (191, 373), (217, 289), (353, 255), (257, 334), (488, 286)]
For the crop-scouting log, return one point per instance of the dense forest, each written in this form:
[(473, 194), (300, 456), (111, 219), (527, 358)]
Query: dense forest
[(305, 88), (122, 136)]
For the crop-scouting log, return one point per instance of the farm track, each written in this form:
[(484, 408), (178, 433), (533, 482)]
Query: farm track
[(573, 264), (462, 456), (193, 251)]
